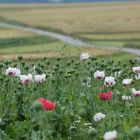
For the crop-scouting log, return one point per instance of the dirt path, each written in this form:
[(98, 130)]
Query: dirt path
[(68, 39)]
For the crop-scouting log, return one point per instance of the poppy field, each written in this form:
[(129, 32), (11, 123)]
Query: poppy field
[(70, 99)]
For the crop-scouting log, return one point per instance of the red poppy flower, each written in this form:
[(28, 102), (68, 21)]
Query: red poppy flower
[(42, 103), (106, 96), (46, 104)]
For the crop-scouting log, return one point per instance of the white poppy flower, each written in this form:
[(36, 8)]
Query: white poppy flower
[(126, 98), (136, 69), (84, 56), (135, 92), (39, 78), (13, 71), (99, 74), (109, 81), (26, 78), (127, 82), (111, 135), (99, 116)]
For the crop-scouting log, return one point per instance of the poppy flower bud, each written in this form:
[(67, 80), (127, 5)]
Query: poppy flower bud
[(58, 59), (20, 58), (23, 63), (72, 129), (47, 62), (92, 132), (136, 130), (37, 105), (93, 58), (82, 112)]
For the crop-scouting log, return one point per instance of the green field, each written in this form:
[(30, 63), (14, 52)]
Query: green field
[(108, 24), (36, 47), (13, 33), (117, 24)]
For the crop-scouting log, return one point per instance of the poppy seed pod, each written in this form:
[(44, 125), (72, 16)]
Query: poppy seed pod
[(92, 132), (20, 58), (136, 130)]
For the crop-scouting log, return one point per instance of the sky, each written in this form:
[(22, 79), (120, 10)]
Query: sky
[(7, 1)]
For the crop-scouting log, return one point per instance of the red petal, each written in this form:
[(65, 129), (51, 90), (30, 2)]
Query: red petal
[(106, 96), (47, 105)]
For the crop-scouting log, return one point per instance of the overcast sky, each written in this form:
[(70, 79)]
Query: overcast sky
[(62, 0)]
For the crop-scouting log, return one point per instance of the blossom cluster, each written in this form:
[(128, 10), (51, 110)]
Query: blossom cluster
[(25, 79)]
